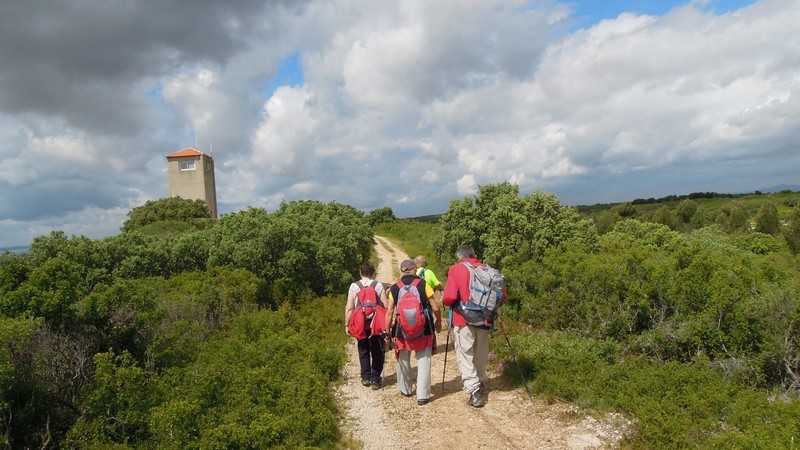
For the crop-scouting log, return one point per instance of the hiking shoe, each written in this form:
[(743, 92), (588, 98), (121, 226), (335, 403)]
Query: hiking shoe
[(423, 401), (365, 382), (375, 385), (477, 399)]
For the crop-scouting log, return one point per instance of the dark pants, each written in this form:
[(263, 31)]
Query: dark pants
[(371, 348)]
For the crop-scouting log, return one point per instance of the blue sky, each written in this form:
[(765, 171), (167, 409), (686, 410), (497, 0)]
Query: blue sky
[(588, 13), (290, 73), (408, 105)]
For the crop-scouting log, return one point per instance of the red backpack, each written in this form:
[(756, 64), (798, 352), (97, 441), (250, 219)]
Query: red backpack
[(411, 318), (369, 314)]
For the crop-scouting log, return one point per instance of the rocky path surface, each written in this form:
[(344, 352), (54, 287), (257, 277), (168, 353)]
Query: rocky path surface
[(510, 420)]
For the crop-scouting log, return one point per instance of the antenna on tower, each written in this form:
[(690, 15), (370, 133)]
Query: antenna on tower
[(195, 139), (212, 148)]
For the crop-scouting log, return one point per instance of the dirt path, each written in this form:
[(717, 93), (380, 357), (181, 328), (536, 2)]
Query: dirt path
[(510, 420)]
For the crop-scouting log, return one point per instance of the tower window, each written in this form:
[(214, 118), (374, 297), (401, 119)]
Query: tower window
[(187, 165)]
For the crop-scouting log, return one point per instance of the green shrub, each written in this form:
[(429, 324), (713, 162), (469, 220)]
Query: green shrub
[(672, 405), (262, 384)]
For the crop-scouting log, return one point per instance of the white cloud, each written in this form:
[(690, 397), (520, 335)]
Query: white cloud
[(467, 185), (414, 103), (284, 142)]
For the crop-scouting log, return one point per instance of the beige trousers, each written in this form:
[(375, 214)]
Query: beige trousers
[(472, 355)]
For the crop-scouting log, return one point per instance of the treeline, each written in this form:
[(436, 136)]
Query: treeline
[(207, 338), (597, 207), (692, 334), (675, 198)]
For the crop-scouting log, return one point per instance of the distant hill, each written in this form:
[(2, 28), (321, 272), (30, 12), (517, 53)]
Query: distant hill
[(781, 188), (15, 249), (433, 218)]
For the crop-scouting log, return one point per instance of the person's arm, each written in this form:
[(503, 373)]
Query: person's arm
[(434, 281), (348, 311), (437, 312), (450, 294), (384, 298), (389, 311)]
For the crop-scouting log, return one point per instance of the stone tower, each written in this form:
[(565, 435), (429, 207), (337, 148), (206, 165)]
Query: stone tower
[(191, 176)]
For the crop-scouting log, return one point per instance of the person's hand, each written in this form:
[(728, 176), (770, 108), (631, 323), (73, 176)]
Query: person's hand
[(438, 325), (346, 331)]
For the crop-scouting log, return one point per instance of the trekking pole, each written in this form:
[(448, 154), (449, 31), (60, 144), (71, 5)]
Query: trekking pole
[(446, 347), (514, 356)]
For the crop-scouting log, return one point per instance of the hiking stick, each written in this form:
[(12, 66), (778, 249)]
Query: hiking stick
[(514, 356), (446, 347)]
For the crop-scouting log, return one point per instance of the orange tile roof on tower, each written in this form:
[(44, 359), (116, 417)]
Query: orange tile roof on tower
[(186, 152)]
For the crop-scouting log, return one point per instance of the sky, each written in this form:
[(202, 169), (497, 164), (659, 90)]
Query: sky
[(406, 104)]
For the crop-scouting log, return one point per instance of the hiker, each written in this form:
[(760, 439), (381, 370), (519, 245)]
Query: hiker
[(471, 342), (430, 278), (428, 275), (370, 331), (411, 299)]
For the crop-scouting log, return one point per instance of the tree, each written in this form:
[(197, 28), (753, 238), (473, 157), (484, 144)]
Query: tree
[(304, 247), (626, 210), (499, 223), (767, 220), (686, 210), (665, 216), (792, 231), (116, 409), (733, 217), (381, 215), (172, 208)]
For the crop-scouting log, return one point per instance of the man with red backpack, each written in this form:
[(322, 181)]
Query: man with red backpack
[(413, 316), (364, 318), (471, 336)]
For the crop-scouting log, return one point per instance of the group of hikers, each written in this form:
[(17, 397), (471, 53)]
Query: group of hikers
[(407, 316)]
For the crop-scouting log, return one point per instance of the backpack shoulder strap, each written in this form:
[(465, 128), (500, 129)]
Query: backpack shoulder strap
[(373, 284), (360, 286), (423, 298)]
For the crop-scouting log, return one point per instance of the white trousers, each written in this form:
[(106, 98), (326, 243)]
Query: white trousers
[(472, 355), (404, 383)]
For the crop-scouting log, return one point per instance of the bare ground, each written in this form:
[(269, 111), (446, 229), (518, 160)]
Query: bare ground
[(510, 420)]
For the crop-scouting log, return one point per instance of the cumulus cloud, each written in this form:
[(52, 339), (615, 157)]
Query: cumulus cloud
[(407, 105)]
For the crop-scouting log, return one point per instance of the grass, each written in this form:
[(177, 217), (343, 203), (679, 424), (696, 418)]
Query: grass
[(672, 405), (415, 238)]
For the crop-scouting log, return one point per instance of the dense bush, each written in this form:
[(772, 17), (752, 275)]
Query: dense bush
[(262, 383), (499, 223), (674, 405), (304, 248), (166, 209), (667, 295), (381, 215), (92, 324)]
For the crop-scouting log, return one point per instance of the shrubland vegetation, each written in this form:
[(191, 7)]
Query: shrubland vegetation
[(684, 317), (216, 337), (184, 332)]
